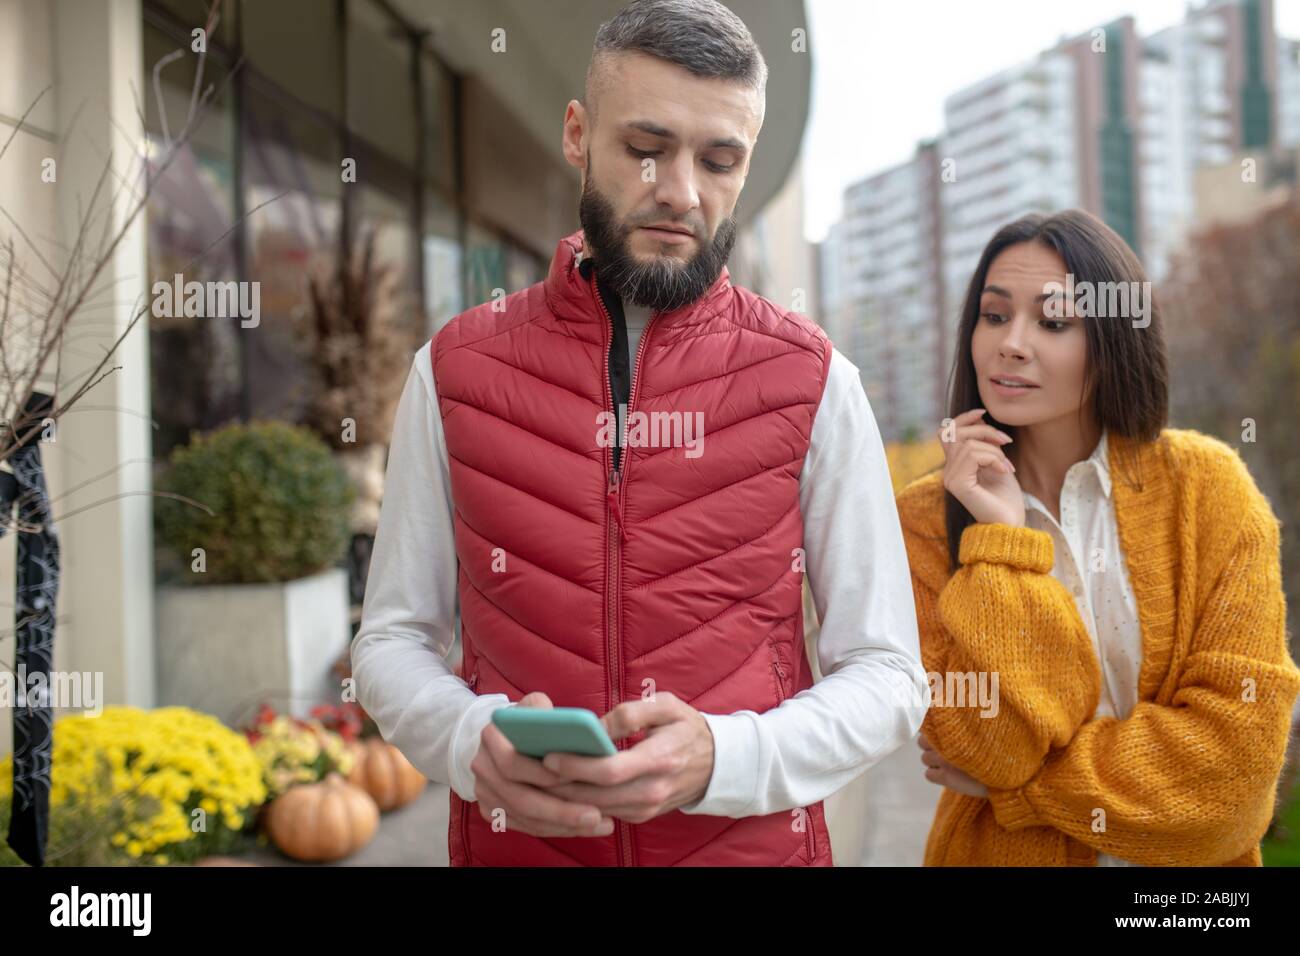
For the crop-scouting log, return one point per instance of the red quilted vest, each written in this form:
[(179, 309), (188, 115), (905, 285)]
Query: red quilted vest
[(695, 589)]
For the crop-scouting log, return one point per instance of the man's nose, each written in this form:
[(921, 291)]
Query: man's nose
[(675, 184)]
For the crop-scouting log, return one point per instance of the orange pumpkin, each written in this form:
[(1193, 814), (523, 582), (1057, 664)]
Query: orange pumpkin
[(324, 821), (382, 771)]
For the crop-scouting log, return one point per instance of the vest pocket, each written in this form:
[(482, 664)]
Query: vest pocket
[(779, 672)]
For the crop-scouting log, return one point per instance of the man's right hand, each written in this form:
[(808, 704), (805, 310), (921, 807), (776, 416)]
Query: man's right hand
[(513, 782)]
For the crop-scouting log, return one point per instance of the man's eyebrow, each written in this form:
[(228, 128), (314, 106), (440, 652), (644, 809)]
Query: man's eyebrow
[(654, 129)]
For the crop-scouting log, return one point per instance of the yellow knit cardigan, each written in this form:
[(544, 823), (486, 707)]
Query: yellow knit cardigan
[(1189, 778)]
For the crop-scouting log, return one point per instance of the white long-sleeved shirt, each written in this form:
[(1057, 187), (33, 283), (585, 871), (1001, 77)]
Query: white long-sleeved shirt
[(870, 700), (1090, 563)]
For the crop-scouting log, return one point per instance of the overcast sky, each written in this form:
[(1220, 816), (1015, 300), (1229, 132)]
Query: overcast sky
[(911, 54)]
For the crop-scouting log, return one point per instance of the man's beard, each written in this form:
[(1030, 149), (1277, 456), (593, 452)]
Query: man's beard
[(662, 284)]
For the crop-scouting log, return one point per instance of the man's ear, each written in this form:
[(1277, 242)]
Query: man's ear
[(573, 140)]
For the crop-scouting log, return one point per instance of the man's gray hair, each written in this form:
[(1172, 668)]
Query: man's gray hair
[(701, 35)]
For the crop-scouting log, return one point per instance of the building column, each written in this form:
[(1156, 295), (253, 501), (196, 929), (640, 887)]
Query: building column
[(104, 442)]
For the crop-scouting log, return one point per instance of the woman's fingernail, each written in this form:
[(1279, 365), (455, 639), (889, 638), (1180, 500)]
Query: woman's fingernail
[(590, 818)]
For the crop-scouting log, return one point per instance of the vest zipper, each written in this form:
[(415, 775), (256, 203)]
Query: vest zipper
[(617, 532)]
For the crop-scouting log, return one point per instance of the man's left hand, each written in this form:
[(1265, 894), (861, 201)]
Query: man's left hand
[(671, 767)]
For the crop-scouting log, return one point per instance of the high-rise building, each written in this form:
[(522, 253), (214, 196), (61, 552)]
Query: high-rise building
[(1104, 121), (885, 288), (1288, 93), (1209, 91), (1054, 133)]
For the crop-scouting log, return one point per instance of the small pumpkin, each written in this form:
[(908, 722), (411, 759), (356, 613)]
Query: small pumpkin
[(319, 822), (382, 771)]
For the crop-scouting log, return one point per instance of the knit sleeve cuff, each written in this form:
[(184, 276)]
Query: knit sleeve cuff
[(1011, 810), (1019, 547)]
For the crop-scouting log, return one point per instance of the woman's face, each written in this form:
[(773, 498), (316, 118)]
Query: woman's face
[(1018, 336)]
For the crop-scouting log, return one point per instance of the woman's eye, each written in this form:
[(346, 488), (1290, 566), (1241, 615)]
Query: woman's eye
[(992, 317), (1054, 325)]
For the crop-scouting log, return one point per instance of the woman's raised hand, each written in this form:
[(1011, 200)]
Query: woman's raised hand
[(978, 473)]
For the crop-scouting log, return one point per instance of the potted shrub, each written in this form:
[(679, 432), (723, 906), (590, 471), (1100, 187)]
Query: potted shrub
[(259, 520)]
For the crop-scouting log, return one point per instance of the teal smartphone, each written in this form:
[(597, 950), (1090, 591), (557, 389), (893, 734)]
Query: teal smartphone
[(538, 731)]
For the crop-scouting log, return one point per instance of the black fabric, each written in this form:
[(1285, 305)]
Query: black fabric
[(37, 576), (620, 374)]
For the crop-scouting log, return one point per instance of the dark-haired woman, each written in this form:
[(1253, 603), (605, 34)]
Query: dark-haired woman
[(1115, 581)]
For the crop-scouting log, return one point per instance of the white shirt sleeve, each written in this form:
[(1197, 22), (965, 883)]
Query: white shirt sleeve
[(874, 692), (408, 620)]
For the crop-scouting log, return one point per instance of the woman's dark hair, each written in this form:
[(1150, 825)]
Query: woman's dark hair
[(1126, 376)]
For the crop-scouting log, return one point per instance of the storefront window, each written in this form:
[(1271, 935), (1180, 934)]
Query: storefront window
[(493, 262), (321, 85), (294, 45), (291, 165), (380, 86), (194, 360), (442, 263)]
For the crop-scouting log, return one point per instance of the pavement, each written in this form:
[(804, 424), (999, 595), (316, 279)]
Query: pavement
[(883, 817), (880, 819), (415, 835)]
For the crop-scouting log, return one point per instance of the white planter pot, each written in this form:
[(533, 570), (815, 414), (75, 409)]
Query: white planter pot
[(226, 648)]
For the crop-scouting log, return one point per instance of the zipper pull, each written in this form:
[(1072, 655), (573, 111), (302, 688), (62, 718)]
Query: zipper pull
[(611, 495)]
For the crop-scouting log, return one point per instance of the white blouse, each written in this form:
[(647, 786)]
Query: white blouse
[(1090, 563)]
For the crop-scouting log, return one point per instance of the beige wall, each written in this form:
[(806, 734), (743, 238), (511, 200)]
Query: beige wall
[(25, 69), (89, 52)]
